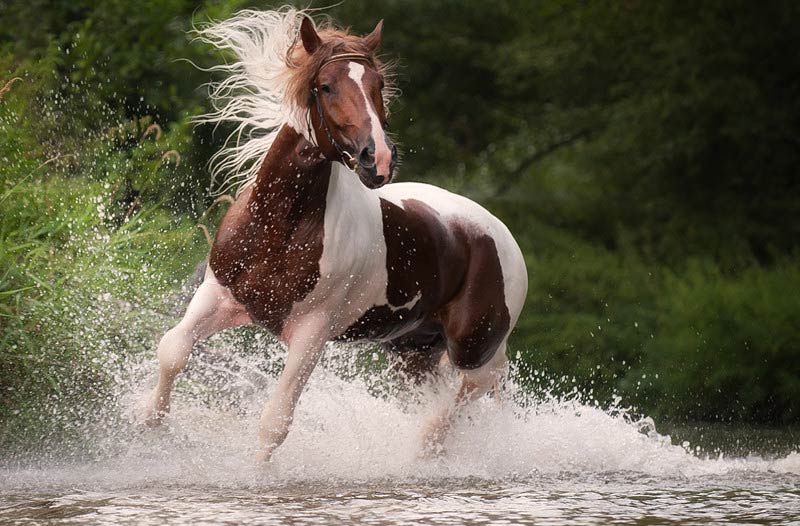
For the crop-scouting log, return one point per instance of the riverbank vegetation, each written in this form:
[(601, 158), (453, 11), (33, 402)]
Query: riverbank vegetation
[(645, 155)]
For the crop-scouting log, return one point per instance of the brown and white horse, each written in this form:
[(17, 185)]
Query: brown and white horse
[(319, 247)]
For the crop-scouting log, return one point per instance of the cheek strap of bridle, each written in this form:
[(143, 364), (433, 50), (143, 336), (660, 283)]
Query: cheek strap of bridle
[(346, 157)]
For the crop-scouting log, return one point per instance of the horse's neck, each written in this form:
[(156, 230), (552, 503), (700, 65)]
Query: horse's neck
[(353, 221), (295, 178), (348, 199), (294, 173), (300, 197)]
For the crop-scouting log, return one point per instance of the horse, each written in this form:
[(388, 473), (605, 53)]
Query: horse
[(319, 247)]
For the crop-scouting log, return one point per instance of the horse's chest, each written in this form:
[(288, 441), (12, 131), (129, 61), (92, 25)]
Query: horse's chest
[(269, 266), (331, 259), (352, 263)]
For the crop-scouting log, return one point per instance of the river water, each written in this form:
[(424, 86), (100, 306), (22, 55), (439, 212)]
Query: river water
[(352, 458)]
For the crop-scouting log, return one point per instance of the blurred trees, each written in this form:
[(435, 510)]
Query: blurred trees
[(645, 154), (684, 118)]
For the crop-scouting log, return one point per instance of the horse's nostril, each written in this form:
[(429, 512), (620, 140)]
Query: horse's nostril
[(367, 158)]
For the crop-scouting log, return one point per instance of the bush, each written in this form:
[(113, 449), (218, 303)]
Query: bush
[(695, 343), (727, 346), (83, 266)]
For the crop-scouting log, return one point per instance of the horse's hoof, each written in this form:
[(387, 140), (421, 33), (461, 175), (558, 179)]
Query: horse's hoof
[(431, 453), (147, 415), (433, 439), (263, 456), (156, 419), (151, 418), (432, 449)]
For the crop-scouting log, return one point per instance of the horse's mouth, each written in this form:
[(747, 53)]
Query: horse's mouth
[(374, 181)]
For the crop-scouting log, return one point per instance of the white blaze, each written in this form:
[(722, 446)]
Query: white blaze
[(382, 152)]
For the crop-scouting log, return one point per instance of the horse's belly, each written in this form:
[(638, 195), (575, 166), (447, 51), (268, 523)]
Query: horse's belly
[(383, 323)]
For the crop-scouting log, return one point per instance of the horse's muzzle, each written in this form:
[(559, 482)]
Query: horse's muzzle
[(368, 168)]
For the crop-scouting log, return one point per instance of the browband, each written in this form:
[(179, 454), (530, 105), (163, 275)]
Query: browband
[(345, 56)]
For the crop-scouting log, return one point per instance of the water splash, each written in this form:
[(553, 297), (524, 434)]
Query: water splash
[(355, 427)]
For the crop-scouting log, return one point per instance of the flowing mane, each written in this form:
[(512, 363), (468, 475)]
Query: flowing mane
[(267, 85)]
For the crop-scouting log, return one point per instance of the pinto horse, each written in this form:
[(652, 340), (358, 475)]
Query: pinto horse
[(318, 247)]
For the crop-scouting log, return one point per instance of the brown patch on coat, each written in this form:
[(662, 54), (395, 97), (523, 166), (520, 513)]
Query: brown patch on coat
[(269, 244), (476, 320), (421, 257), (457, 269), (416, 356)]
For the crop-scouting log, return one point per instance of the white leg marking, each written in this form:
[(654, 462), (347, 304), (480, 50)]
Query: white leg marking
[(306, 339), (212, 309), (474, 384)]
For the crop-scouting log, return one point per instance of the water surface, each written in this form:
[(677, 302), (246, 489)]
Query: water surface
[(352, 458)]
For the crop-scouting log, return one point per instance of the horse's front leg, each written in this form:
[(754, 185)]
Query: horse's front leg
[(211, 309), (306, 339)]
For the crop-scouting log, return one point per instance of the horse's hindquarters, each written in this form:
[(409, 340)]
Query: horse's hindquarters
[(470, 268)]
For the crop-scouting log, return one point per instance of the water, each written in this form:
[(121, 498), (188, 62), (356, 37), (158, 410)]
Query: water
[(352, 458), (564, 499)]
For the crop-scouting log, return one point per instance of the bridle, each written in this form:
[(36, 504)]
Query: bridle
[(345, 156)]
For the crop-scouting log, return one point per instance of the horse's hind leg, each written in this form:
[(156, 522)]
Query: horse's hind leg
[(476, 324), (416, 358), (211, 309), (474, 383)]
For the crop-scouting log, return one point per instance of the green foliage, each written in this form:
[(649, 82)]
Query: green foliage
[(644, 153), (691, 343), (728, 346), (589, 311), (688, 113), (83, 239), (70, 280)]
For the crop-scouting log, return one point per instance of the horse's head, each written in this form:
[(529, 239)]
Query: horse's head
[(346, 103)]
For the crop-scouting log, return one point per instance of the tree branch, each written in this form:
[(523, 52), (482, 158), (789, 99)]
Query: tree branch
[(537, 156)]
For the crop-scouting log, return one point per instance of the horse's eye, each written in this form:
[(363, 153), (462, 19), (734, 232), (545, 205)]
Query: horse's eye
[(325, 88)]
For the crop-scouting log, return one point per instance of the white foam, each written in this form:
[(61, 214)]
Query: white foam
[(351, 430)]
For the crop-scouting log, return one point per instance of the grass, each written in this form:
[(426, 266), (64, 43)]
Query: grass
[(86, 263)]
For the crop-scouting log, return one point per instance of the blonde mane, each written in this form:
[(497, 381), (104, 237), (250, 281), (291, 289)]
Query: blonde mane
[(266, 86)]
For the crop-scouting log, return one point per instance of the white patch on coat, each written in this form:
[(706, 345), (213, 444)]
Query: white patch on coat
[(353, 276), (407, 305)]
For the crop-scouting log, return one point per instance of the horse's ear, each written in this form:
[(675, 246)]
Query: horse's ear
[(373, 40), (309, 36)]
